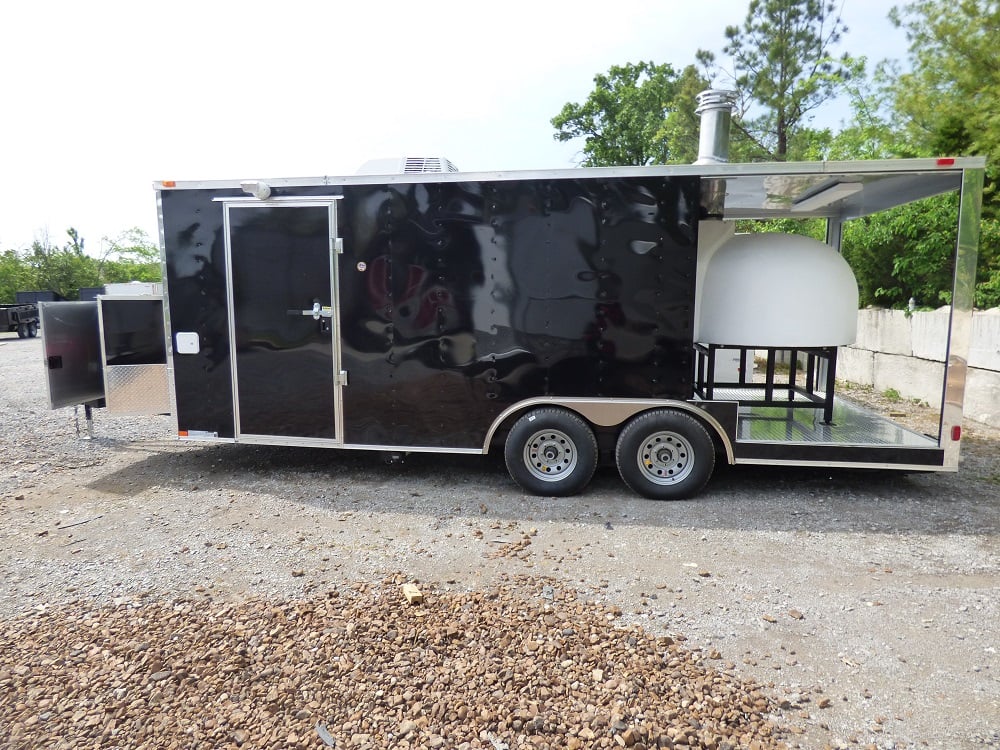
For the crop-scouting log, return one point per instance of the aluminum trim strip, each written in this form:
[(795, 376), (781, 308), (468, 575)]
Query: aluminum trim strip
[(289, 200), (412, 449), (960, 323), (299, 442), (886, 166), (337, 384), (128, 297), (104, 352), (866, 446), (295, 442), (167, 327), (843, 465), (231, 318)]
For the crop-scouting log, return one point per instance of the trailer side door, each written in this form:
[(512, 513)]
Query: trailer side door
[(283, 323)]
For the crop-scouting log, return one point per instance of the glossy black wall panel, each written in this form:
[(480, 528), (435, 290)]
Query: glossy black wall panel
[(459, 299), (196, 287)]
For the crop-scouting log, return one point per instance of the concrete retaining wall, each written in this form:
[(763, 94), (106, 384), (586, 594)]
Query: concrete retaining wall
[(906, 353)]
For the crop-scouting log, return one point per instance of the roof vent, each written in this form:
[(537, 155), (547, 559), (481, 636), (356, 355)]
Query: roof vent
[(408, 165), (421, 164)]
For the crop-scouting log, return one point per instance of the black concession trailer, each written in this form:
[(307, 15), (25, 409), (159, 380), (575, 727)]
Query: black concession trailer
[(563, 317)]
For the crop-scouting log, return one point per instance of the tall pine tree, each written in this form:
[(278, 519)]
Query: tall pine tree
[(783, 66)]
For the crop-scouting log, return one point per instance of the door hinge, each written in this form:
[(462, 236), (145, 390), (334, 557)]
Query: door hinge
[(337, 244), (342, 378)]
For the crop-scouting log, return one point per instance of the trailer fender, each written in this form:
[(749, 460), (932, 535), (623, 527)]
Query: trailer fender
[(614, 412)]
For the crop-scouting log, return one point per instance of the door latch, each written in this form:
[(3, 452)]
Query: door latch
[(318, 311)]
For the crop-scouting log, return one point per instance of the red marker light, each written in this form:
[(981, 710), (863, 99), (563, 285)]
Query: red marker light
[(956, 433), (949, 162)]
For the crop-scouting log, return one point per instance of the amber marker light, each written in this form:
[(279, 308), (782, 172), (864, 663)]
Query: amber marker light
[(169, 183)]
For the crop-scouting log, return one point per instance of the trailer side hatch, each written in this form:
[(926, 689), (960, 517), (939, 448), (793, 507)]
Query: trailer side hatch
[(72, 346)]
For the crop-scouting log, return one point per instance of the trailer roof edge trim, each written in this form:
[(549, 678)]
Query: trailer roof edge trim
[(957, 164), (840, 190)]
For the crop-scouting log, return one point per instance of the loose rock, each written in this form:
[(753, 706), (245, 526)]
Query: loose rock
[(597, 682)]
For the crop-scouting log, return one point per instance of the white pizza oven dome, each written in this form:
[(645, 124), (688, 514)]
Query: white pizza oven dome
[(777, 290)]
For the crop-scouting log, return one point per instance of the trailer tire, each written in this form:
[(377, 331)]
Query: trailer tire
[(32, 330), (22, 331), (551, 452), (665, 455)]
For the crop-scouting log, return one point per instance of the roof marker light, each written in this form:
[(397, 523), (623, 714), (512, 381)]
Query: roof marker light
[(948, 162), (259, 190), (169, 183)]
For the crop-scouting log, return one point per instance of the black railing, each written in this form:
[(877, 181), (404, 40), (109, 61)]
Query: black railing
[(789, 393)]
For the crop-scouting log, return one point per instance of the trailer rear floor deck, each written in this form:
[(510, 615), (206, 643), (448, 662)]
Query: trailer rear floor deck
[(853, 424)]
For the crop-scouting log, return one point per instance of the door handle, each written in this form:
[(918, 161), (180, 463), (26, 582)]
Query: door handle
[(318, 311)]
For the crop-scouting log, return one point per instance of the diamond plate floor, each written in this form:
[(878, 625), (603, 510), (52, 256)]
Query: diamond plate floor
[(853, 424)]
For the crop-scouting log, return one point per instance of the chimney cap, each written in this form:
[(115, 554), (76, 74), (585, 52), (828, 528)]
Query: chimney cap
[(715, 99)]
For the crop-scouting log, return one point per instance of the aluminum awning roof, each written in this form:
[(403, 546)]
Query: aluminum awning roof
[(846, 194), (840, 190)]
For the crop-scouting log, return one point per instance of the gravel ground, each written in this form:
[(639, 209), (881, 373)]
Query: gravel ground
[(858, 608)]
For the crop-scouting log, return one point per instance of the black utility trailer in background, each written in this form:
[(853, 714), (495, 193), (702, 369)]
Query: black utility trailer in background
[(563, 317), (22, 318)]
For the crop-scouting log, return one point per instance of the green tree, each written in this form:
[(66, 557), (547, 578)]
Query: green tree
[(783, 68), (16, 275), (871, 133), (130, 257), (63, 270), (948, 101), (905, 252), (987, 292), (637, 114)]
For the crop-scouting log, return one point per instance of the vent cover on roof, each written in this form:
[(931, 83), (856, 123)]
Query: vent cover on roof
[(420, 164), (409, 165)]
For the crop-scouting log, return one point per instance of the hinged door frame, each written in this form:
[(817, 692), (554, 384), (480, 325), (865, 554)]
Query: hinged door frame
[(335, 375)]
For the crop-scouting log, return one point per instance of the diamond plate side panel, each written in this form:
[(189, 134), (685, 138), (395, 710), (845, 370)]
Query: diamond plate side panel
[(137, 389)]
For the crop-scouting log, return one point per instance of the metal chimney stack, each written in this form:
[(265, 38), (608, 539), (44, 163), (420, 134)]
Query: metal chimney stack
[(716, 109)]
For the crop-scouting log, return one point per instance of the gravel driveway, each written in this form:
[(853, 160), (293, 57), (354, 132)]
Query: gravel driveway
[(863, 606)]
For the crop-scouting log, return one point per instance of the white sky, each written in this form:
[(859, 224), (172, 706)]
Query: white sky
[(101, 98)]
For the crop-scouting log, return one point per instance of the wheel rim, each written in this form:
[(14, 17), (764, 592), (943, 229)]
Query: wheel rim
[(665, 457), (550, 455)]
